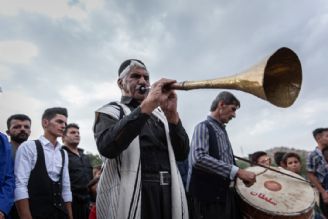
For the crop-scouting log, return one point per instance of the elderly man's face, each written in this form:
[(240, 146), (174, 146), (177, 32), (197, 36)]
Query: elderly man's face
[(129, 84), (226, 112)]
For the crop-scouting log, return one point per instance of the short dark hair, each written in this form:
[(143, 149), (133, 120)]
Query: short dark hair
[(52, 112), (127, 63), (318, 131), (20, 117), (278, 157), (290, 154), (256, 155), (71, 125), (227, 97)]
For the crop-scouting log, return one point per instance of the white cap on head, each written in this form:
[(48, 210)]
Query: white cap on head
[(127, 69)]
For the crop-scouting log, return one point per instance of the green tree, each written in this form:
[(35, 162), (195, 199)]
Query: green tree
[(95, 159), (242, 164)]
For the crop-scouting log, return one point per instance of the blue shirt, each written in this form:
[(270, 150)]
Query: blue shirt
[(7, 179)]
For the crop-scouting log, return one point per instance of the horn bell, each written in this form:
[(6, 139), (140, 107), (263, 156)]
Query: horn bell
[(277, 79)]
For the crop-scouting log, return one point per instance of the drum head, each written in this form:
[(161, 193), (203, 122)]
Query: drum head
[(277, 194)]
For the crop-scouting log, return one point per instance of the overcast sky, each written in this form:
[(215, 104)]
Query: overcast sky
[(67, 52)]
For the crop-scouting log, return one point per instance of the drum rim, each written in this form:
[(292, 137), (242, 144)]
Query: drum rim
[(279, 213)]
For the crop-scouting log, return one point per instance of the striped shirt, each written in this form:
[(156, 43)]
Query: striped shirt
[(200, 158)]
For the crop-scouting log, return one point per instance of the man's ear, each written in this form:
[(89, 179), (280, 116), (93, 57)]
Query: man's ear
[(120, 83), (45, 123), (318, 137), (221, 104), (8, 133)]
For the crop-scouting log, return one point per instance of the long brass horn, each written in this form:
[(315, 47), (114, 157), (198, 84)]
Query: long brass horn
[(276, 79)]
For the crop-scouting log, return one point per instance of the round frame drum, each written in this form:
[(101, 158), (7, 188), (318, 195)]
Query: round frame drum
[(275, 195)]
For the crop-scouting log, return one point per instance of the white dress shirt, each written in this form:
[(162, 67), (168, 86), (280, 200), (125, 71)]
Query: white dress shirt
[(25, 161)]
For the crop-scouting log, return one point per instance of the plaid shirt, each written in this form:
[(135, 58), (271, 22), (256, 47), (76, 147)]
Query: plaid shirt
[(316, 164)]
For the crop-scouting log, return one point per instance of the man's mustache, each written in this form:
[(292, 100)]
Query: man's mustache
[(23, 133)]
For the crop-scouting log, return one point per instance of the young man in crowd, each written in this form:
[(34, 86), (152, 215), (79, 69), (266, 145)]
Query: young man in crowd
[(19, 130), (316, 166), (41, 172), (80, 171)]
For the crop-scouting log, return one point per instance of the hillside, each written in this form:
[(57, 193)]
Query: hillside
[(272, 151)]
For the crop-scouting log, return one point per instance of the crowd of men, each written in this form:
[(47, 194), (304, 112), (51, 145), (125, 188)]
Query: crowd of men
[(44, 178), (145, 149)]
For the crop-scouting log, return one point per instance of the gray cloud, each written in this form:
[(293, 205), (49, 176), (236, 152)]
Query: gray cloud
[(184, 40)]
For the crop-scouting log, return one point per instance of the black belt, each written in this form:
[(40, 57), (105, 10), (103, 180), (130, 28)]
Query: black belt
[(162, 177)]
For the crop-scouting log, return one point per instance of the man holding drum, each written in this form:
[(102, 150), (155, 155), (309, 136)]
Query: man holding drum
[(213, 170)]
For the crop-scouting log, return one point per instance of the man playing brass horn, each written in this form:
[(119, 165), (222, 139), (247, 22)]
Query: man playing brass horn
[(212, 169), (141, 137)]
